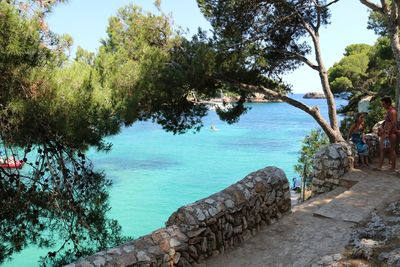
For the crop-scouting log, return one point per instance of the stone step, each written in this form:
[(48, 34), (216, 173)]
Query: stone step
[(359, 201), (347, 183), (320, 200), (351, 178)]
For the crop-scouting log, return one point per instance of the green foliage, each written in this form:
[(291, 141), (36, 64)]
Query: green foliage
[(54, 109), (20, 52), (312, 143), (51, 110), (152, 72), (41, 96), (376, 113), (258, 42), (56, 196), (355, 49), (341, 84), (84, 56), (134, 62), (378, 23), (271, 34), (346, 75), (383, 68), (364, 71)]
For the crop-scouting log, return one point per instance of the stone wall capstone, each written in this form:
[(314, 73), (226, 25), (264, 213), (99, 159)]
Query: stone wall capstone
[(207, 227), (330, 163)]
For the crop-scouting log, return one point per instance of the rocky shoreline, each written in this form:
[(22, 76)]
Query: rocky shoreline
[(254, 98)]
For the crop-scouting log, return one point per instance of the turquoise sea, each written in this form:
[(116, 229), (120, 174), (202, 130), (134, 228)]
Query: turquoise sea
[(155, 172)]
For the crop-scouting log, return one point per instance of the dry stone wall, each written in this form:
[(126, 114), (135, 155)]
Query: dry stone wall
[(207, 227), (330, 164), (333, 161), (373, 145)]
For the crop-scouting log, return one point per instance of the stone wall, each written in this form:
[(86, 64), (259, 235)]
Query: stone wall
[(330, 163), (333, 161), (373, 145), (207, 227)]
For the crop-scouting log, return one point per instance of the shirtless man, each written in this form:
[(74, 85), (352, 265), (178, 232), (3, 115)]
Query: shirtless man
[(388, 138)]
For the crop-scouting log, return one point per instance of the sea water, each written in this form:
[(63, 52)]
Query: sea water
[(155, 172)]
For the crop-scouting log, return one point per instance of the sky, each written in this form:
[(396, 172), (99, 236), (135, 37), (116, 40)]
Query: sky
[(86, 21)]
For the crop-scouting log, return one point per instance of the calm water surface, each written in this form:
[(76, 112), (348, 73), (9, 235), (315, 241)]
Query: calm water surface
[(155, 172)]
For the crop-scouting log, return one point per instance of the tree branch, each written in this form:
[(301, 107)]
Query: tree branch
[(313, 111), (266, 91), (372, 6), (384, 6), (305, 61), (318, 26), (330, 3), (298, 57), (398, 13), (367, 92), (394, 16), (316, 3)]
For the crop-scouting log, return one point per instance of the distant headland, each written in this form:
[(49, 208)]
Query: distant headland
[(252, 98), (314, 95)]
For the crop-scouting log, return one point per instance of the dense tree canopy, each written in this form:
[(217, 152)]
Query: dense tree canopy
[(51, 109), (134, 63), (364, 71), (384, 20), (270, 39), (54, 109), (347, 73)]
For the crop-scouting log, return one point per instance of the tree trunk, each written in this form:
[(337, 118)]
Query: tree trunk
[(323, 74), (395, 44), (333, 132)]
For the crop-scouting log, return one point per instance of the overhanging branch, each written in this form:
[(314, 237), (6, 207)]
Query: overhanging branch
[(330, 3), (296, 56), (313, 111), (266, 91), (372, 6)]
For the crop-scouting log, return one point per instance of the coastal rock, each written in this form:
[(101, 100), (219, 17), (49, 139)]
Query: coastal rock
[(314, 95), (261, 98)]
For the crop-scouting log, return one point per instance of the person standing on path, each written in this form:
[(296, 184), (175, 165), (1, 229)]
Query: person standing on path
[(389, 138), (356, 134)]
